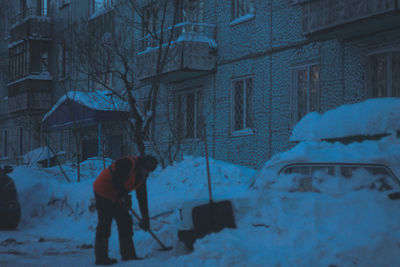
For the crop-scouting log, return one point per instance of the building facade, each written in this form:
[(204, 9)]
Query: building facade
[(248, 69)]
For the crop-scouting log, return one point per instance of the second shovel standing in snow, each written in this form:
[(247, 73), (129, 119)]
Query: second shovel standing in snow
[(211, 217)]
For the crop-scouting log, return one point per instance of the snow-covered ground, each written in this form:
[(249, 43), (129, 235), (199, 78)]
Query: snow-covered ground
[(343, 223), (341, 226)]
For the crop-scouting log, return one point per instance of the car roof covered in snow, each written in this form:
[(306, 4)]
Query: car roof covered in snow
[(379, 116)]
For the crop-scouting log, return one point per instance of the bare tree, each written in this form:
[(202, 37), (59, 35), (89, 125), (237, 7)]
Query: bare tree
[(107, 48)]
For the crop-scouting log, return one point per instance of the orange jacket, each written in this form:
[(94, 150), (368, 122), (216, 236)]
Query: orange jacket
[(104, 187)]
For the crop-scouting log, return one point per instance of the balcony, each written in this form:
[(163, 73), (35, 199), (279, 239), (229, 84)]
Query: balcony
[(29, 102), (192, 53), (29, 94), (32, 23), (326, 19)]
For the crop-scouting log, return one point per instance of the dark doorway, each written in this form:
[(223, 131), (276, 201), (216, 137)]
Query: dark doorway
[(114, 147), (89, 149)]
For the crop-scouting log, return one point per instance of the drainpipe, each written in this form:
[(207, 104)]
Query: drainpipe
[(48, 150), (99, 140), (270, 88)]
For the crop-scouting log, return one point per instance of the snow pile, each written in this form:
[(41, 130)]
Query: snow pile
[(371, 117), (37, 155), (343, 222)]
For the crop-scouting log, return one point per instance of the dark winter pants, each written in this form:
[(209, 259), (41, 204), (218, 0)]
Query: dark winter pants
[(107, 211)]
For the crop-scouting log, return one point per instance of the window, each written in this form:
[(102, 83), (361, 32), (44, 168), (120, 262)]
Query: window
[(100, 5), (21, 141), (18, 61), (101, 81), (188, 112), (63, 3), (5, 143), (6, 30), (62, 59), (242, 113), (23, 7), (61, 140), (39, 57), (43, 7), (191, 11), (149, 19), (145, 105), (384, 75), (305, 91), (241, 8)]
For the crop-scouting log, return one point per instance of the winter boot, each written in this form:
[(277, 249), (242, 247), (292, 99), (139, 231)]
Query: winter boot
[(127, 249), (101, 252)]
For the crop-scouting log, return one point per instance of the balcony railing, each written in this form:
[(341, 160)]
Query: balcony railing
[(182, 31), (30, 12), (325, 15)]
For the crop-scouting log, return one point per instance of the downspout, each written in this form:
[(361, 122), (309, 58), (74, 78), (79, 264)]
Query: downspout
[(270, 88), (213, 145), (48, 150), (342, 79), (99, 140)]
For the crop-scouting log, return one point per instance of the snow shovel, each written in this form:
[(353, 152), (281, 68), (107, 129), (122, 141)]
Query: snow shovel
[(163, 247), (214, 216)]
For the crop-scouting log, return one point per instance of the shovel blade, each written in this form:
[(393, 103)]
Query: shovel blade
[(213, 217)]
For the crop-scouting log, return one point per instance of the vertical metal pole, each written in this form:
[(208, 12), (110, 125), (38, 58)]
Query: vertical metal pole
[(208, 165), (99, 140), (48, 150)]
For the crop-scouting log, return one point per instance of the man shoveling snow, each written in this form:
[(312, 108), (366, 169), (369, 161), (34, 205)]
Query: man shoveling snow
[(112, 188)]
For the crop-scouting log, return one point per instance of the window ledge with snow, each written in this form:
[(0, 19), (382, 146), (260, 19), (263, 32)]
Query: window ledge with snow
[(243, 132), (39, 76), (242, 19), (100, 12), (62, 78)]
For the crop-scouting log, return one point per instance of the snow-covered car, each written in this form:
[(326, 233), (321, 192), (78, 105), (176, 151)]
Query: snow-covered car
[(351, 141), (10, 209)]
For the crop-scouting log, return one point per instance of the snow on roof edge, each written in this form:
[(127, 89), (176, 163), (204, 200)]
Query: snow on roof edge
[(97, 100)]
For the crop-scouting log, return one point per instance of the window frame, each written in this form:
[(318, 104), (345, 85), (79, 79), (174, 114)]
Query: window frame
[(244, 130), (63, 3), (294, 92), (389, 55), (5, 136), (21, 141), (235, 9), (197, 113), (62, 60), (101, 5), (19, 60)]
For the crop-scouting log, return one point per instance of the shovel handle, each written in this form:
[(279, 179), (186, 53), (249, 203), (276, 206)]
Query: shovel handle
[(151, 232), (207, 163)]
